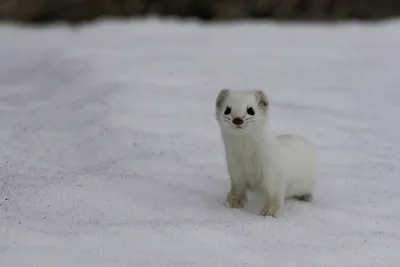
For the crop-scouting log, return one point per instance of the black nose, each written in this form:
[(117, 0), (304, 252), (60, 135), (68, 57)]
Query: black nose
[(237, 121)]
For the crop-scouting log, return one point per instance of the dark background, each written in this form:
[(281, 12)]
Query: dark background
[(76, 11)]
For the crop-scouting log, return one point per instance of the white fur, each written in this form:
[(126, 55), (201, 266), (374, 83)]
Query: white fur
[(277, 167)]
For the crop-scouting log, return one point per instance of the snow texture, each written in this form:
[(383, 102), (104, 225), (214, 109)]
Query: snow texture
[(110, 154)]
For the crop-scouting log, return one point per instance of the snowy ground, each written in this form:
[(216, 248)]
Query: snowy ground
[(110, 155)]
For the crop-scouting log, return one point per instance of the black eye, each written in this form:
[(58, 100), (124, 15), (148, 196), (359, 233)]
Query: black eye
[(250, 111), (227, 111)]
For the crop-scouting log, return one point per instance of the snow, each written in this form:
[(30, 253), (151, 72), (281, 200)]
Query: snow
[(110, 154)]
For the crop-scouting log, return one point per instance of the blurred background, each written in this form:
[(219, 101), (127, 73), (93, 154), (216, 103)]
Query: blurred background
[(76, 11)]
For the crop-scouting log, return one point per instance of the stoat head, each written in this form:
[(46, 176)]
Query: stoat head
[(241, 111)]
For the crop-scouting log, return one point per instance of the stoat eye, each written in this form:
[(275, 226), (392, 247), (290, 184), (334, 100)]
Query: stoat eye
[(250, 111), (227, 111)]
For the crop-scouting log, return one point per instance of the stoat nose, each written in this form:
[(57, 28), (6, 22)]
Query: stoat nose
[(237, 121)]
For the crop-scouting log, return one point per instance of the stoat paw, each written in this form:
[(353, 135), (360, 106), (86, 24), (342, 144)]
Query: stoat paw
[(305, 198), (270, 212), (235, 201)]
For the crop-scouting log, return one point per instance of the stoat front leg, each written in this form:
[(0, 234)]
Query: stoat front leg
[(237, 197), (272, 205), (273, 189)]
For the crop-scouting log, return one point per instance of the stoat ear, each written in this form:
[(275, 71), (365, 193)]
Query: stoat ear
[(261, 98), (223, 94)]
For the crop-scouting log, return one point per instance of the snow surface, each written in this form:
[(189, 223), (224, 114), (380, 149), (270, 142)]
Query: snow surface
[(110, 154)]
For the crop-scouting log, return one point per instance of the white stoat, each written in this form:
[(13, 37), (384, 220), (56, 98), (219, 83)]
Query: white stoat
[(277, 167)]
